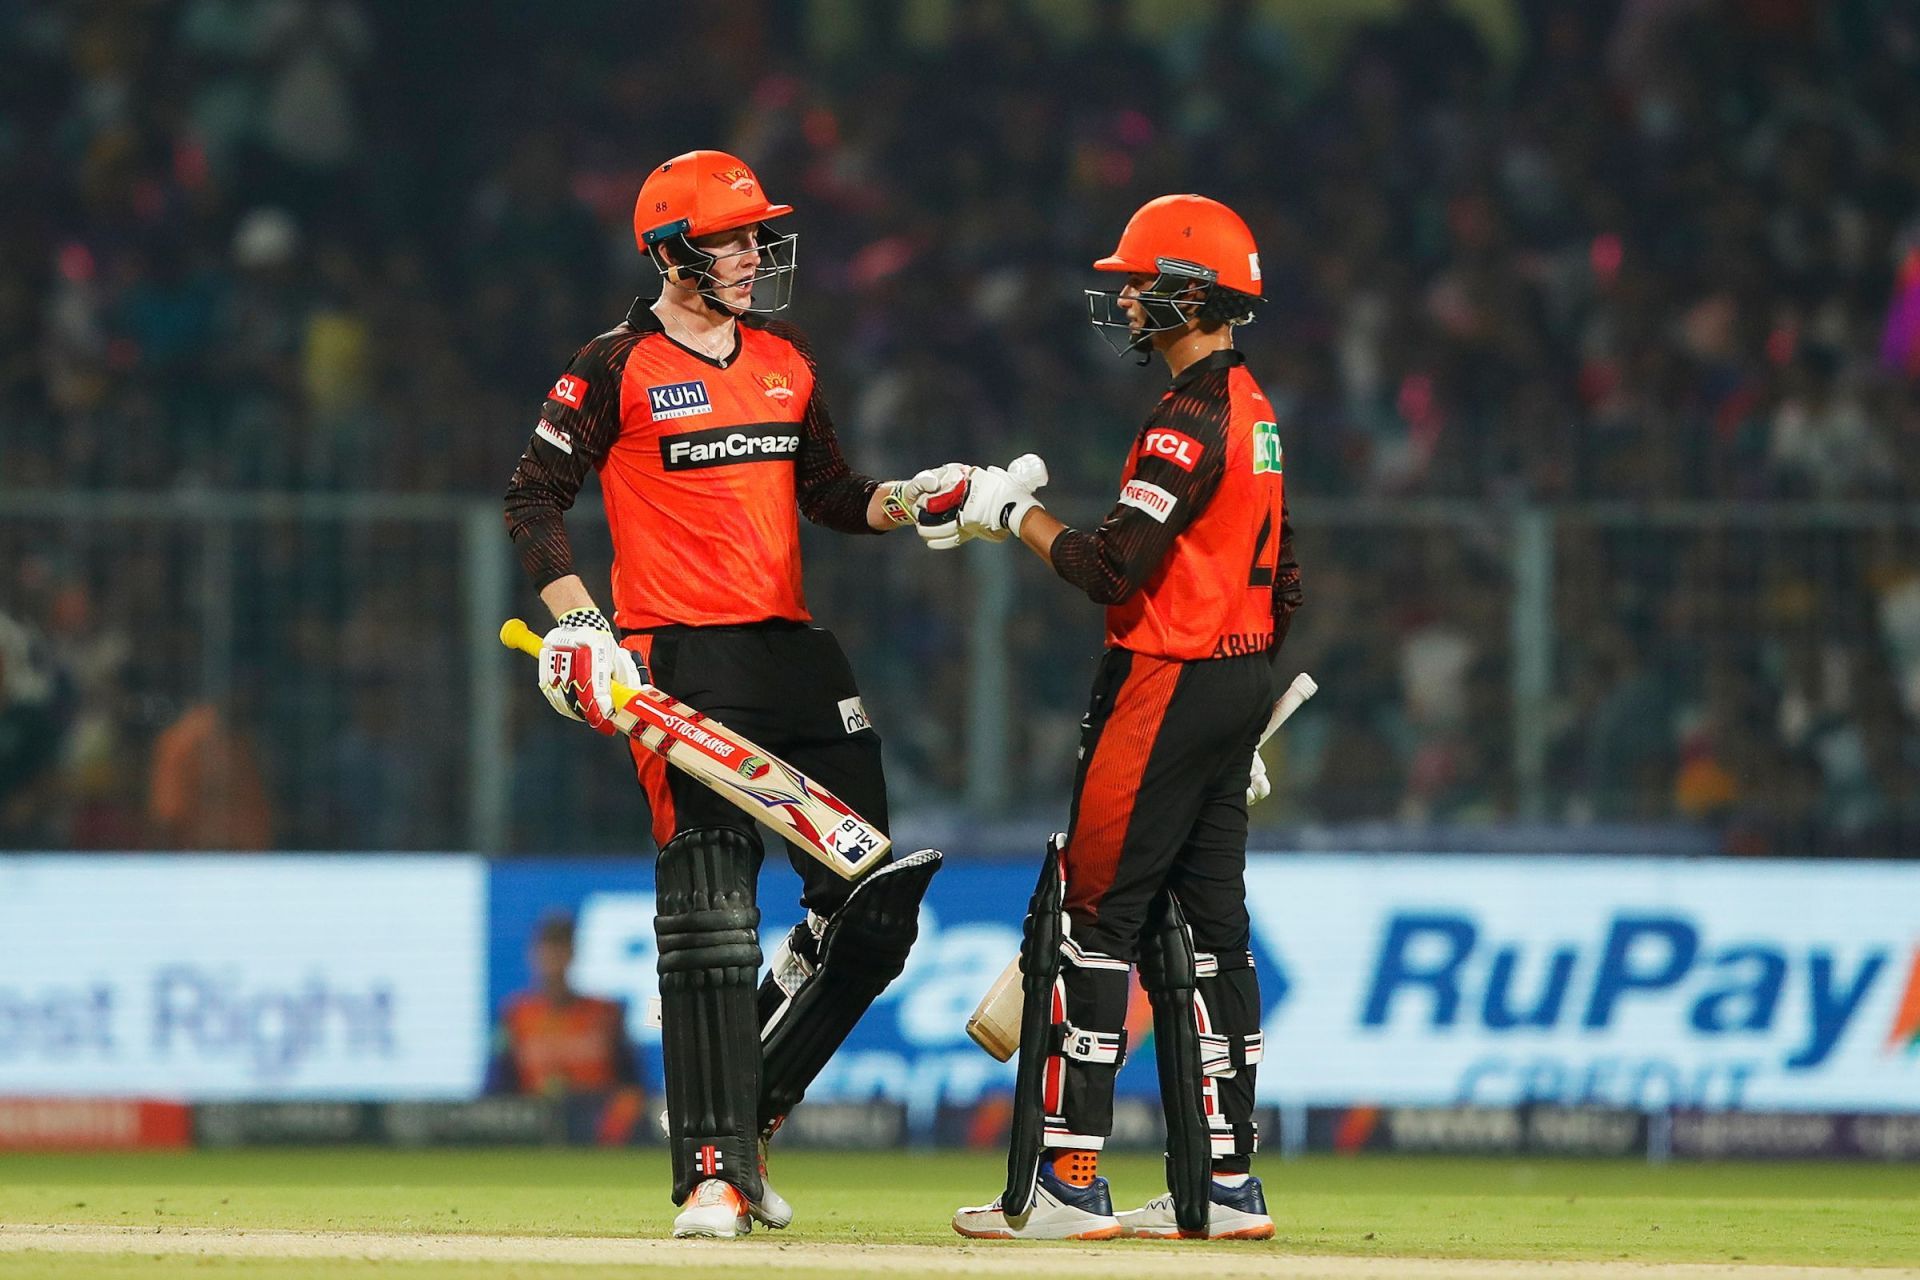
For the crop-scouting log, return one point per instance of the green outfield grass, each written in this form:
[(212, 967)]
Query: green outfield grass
[(1372, 1206)]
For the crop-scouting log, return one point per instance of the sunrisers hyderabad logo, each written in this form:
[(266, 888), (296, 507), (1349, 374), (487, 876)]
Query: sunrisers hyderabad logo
[(740, 178), (753, 767), (779, 387)]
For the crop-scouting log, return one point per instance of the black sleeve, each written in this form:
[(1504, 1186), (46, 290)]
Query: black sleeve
[(579, 421), (1166, 493), (1286, 587), (831, 493)]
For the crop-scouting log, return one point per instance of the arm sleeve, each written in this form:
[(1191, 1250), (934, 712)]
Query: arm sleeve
[(1286, 587), (831, 493), (579, 421), (1110, 562)]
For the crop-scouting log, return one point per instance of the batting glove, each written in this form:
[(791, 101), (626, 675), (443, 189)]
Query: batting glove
[(993, 505), (579, 661), (906, 498), (1259, 786)]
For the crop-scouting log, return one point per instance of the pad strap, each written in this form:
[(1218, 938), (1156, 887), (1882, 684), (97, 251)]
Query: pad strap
[(1104, 1048), (1222, 1056)]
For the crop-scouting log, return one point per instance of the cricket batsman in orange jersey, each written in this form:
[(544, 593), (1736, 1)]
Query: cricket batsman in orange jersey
[(704, 419), (1195, 566)]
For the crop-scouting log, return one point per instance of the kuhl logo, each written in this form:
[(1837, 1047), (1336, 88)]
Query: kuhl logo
[(1439, 967), (678, 400)]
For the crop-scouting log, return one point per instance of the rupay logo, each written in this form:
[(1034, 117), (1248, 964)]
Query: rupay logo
[(1439, 966)]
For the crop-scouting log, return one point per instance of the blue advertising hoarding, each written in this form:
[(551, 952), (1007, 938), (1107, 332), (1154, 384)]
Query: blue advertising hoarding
[(1640, 983)]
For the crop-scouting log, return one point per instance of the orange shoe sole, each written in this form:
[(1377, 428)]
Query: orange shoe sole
[(1104, 1233)]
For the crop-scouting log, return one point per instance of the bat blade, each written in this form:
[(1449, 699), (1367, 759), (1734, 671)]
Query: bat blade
[(746, 775)]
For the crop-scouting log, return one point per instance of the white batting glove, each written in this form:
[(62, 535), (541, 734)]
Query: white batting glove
[(579, 661), (995, 503), (1259, 786), (906, 498)]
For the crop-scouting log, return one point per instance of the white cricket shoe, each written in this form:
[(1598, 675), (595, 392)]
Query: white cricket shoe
[(1237, 1213), (716, 1210), (772, 1207), (1060, 1212)]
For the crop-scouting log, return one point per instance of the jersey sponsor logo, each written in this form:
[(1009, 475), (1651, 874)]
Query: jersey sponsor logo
[(1267, 454), (570, 390), (853, 715), (678, 400), (777, 386), (1183, 451), (724, 446), (555, 436), (739, 178), (1150, 498)]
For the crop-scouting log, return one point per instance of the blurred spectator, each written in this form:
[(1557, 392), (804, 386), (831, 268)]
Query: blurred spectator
[(30, 734), (206, 790), (554, 1041), (1652, 251)]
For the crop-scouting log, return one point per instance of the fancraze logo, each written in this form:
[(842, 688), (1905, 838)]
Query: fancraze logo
[(1770, 1006), (723, 446)]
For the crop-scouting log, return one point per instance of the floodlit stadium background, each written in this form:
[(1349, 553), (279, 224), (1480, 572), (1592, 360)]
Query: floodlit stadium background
[(1595, 331)]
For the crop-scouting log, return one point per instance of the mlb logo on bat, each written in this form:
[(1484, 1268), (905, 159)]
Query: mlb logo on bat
[(678, 400)]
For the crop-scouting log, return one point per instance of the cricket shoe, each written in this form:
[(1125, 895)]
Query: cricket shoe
[(716, 1211), (1060, 1212), (772, 1207), (1237, 1213)]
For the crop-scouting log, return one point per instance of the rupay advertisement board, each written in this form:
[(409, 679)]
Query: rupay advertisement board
[(1409, 980)]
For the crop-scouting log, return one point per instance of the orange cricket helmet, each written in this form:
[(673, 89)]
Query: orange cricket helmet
[(702, 193), (1182, 241)]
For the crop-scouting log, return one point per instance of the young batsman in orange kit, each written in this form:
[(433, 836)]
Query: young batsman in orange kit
[(1195, 567), (710, 435)]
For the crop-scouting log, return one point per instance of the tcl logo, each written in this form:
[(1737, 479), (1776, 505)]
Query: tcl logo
[(1182, 451), (569, 391)]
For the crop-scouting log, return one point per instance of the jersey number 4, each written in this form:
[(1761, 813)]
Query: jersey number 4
[(1264, 568)]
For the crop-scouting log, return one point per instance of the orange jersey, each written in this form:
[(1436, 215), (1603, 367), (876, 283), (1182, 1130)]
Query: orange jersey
[(579, 1046), (705, 466), (1196, 558)]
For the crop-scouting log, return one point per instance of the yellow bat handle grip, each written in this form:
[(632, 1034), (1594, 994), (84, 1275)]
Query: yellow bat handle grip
[(516, 634)]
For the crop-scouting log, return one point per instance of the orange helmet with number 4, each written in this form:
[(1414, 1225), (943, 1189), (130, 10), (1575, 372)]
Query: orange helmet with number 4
[(1204, 263), (703, 193)]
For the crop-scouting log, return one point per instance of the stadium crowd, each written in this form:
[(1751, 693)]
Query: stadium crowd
[(1580, 259)]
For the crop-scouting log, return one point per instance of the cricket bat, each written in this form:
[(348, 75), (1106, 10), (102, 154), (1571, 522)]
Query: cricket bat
[(995, 1024), (753, 779)]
